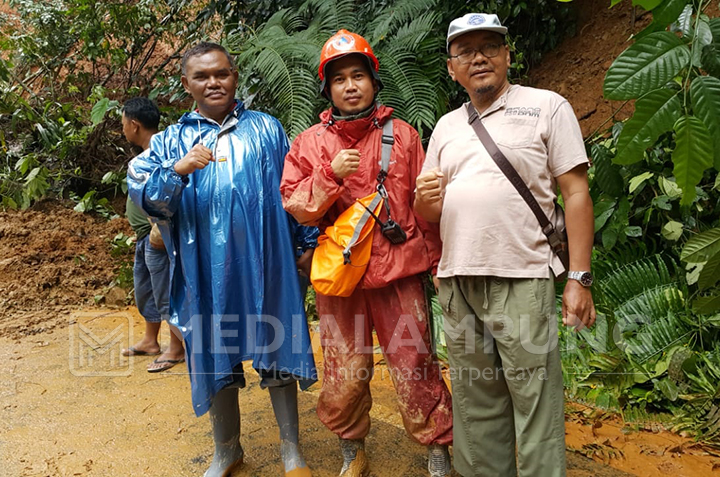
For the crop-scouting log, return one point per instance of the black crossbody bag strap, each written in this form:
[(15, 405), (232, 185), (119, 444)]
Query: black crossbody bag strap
[(548, 228)]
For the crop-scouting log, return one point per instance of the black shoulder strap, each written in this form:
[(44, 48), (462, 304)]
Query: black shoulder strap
[(509, 171)]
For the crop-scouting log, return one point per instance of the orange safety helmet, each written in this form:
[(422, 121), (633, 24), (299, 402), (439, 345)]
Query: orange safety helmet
[(344, 43)]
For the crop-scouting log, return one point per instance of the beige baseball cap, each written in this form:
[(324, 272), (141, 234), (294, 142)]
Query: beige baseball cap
[(472, 22)]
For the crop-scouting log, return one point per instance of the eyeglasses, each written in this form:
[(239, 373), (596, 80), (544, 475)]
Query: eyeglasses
[(490, 50)]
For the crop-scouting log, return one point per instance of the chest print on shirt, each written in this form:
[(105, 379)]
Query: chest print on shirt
[(533, 112)]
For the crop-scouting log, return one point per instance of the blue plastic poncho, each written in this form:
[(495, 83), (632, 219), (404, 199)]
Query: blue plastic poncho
[(234, 286)]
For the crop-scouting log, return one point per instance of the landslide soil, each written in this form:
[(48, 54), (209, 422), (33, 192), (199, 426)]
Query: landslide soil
[(68, 410), (52, 260)]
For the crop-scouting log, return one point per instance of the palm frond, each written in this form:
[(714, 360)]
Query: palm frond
[(410, 36), (633, 279), (610, 260), (278, 62), (653, 337), (701, 413), (392, 19), (332, 15), (646, 302), (407, 89), (291, 87)]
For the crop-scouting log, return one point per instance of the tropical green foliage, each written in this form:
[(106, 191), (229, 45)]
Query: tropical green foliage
[(656, 265), (61, 58), (657, 256), (67, 64), (279, 58), (670, 73), (650, 351)]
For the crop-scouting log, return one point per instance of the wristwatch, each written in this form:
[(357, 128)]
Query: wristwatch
[(585, 278)]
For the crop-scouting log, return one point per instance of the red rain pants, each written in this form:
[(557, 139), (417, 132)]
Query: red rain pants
[(399, 315)]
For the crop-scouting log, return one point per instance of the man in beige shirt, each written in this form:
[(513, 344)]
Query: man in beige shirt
[(496, 270)]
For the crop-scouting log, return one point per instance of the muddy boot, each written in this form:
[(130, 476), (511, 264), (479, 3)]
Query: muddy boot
[(225, 420), (284, 402), (355, 463), (438, 461)]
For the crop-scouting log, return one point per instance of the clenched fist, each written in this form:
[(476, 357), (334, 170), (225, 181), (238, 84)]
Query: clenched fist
[(346, 162), (198, 157), (429, 186)]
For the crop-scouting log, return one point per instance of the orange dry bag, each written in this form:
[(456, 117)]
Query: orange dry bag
[(343, 252)]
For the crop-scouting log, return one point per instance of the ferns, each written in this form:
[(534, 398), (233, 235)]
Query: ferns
[(396, 18), (279, 62), (283, 62), (331, 16), (633, 279), (648, 350), (701, 414)]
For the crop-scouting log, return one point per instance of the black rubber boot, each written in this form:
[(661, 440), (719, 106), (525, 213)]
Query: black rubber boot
[(225, 420)]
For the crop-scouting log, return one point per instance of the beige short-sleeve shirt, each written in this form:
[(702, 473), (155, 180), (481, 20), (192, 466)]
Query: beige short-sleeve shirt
[(486, 227)]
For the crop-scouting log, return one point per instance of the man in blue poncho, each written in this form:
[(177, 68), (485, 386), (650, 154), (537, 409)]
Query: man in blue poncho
[(211, 182)]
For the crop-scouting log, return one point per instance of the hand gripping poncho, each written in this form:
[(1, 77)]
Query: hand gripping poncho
[(234, 287)]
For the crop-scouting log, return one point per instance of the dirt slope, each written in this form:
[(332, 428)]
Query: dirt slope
[(576, 69), (52, 259)]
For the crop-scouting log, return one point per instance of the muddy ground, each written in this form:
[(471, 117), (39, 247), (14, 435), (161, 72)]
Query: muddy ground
[(72, 406)]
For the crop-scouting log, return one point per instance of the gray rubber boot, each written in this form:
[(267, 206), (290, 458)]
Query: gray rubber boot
[(438, 461), (225, 420), (284, 402)]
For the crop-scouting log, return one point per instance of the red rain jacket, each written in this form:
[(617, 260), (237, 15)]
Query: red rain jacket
[(315, 196)]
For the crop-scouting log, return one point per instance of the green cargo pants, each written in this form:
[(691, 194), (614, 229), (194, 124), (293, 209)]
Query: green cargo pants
[(506, 379)]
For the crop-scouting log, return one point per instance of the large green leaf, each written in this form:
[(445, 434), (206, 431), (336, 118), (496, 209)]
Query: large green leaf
[(668, 12), (710, 274), (692, 155), (684, 22), (655, 113), (707, 304), (663, 15), (701, 247), (97, 114), (705, 97), (646, 65)]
